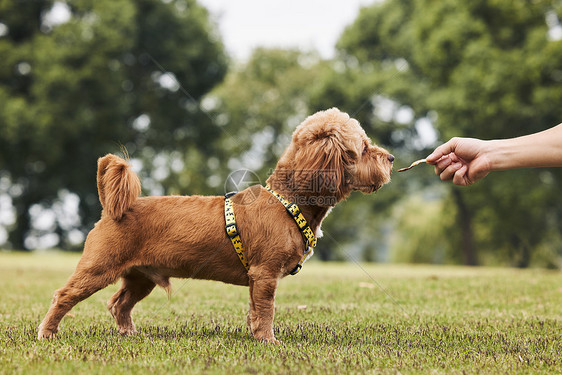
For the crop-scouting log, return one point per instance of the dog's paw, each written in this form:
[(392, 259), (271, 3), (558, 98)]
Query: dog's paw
[(271, 340), (45, 333), (128, 331)]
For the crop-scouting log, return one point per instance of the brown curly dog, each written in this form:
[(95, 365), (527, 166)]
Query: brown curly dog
[(146, 240)]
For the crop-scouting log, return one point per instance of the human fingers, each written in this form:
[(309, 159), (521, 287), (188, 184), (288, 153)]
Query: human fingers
[(460, 177), (442, 163), (442, 150), (448, 173)]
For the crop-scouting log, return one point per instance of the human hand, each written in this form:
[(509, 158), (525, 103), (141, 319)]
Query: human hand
[(462, 160)]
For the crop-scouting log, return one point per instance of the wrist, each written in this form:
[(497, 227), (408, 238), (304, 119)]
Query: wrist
[(499, 153)]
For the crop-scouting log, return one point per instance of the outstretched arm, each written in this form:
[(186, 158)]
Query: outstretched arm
[(467, 160)]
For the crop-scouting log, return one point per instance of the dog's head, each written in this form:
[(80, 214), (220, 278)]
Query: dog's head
[(330, 156)]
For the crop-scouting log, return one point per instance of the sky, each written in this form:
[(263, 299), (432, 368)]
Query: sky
[(247, 24), (305, 24)]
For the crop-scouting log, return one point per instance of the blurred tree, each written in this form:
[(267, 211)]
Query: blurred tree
[(261, 102), (107, 73), (489, 69)]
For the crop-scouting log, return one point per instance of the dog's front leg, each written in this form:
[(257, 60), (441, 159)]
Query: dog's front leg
[(262, 308)]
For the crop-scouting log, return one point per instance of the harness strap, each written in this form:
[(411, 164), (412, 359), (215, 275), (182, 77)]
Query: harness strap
[(232, 230), (307, 233)]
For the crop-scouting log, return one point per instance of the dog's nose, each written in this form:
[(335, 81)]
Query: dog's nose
[(390, 158)]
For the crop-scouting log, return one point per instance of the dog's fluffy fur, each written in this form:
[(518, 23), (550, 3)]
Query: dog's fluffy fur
[(145, 241)]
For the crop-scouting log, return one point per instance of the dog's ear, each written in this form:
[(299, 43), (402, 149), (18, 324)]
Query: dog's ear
[(320, 168)]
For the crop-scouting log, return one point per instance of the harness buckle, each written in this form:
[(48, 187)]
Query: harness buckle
[(296, 269), (230, 194)]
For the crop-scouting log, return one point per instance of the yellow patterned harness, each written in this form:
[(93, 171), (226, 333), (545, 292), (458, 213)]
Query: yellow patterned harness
[(232, 230), (307, 233)]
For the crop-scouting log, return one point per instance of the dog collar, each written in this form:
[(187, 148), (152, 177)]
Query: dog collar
[(307, 233)]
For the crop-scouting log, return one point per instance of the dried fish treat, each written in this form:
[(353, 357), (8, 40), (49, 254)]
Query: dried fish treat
[(413, 165)]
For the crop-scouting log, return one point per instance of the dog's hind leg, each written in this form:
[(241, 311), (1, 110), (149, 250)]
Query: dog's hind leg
[(262, 308), (82, 284), (134, 288)]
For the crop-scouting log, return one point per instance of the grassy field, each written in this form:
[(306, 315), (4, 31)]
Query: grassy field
[(332, 319)]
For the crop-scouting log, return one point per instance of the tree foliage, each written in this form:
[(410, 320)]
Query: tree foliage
[(489, 70), (115, 72)]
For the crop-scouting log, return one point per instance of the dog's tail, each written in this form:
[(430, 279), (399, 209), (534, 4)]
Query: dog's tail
[(118, 185)]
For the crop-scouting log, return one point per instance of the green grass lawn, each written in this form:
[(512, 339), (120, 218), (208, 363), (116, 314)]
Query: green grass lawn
[(332, 318)]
